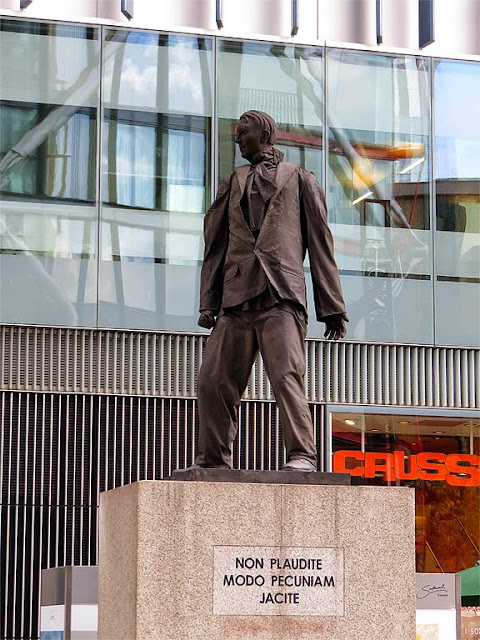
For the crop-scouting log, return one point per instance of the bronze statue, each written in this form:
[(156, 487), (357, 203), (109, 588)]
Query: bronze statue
[(264, 218)]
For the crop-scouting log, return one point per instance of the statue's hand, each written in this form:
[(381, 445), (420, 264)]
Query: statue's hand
[(336, 327), (206, 319)]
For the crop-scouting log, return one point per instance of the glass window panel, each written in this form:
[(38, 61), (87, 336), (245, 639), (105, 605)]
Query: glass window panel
[(49, 88), (282, 80), (132, 182), (420, 451), (156, 178), (378, 112), (457, 184), (287, 82)]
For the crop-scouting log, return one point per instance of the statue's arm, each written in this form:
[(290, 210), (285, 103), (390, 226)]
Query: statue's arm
[(327, 291), (215, 231)]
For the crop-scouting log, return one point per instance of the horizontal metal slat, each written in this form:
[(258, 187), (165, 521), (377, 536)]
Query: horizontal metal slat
[(166, 364)]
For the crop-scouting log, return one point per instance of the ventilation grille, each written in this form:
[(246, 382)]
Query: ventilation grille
[(35, 538), (58, 451), (92, 361), (152, 364)]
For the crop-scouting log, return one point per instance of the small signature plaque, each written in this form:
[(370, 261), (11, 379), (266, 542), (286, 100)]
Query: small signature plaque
[(278, 581), (437, 590)]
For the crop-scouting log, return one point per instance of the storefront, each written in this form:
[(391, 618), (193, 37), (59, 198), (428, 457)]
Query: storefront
[(437, 453)]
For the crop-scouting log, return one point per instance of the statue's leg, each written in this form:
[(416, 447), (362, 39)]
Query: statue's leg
[(223, 376), (281, 335)]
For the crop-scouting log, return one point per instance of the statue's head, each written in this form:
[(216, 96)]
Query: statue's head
[(256, 131)]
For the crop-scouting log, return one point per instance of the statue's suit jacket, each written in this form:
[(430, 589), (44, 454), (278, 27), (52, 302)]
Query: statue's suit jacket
[(236, 265)]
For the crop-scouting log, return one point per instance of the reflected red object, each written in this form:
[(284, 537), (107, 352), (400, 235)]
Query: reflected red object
[(401, 150)]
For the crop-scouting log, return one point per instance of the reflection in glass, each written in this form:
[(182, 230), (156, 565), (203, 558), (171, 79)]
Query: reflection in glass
[(457, 185), (378, 114), (156, 178), (49, 80), (285, 81), (282, 80), (156, 175), (434, 455)]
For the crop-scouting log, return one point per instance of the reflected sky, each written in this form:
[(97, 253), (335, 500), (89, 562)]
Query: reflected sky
[(457, 120), (165, 73)]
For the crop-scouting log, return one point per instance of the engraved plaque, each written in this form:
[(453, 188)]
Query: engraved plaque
[(278, 581)]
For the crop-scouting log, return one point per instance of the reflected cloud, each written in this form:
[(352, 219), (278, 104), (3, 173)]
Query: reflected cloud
[(139, 83)]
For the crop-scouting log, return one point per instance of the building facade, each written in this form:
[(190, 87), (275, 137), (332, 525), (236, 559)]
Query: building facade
[(117, 121)]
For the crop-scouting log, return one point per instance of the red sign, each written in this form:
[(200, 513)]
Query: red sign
[(457, 469)]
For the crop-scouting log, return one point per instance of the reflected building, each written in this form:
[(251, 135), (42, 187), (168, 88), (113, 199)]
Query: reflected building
[(114, 134)]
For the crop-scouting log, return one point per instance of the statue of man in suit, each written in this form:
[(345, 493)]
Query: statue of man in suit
[(264, 218)]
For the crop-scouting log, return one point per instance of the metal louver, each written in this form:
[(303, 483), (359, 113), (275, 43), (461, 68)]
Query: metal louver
[(60, 450), (166, 364)]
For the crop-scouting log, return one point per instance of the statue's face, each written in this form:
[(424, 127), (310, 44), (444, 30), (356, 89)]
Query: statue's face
[(250, 138)]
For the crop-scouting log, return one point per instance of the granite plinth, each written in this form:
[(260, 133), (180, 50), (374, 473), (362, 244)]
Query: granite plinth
[(253, 476), (168, 551)]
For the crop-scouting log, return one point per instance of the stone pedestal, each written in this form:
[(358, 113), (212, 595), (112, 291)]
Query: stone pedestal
[(256, 561)]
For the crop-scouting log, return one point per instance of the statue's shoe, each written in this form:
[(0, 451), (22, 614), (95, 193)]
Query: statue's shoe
[(299, 464)]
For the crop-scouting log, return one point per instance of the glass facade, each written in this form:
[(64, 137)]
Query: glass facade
[(49, 92), (156, 178), (112, 141), (283, 80), (378, 192), (457, 188)]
